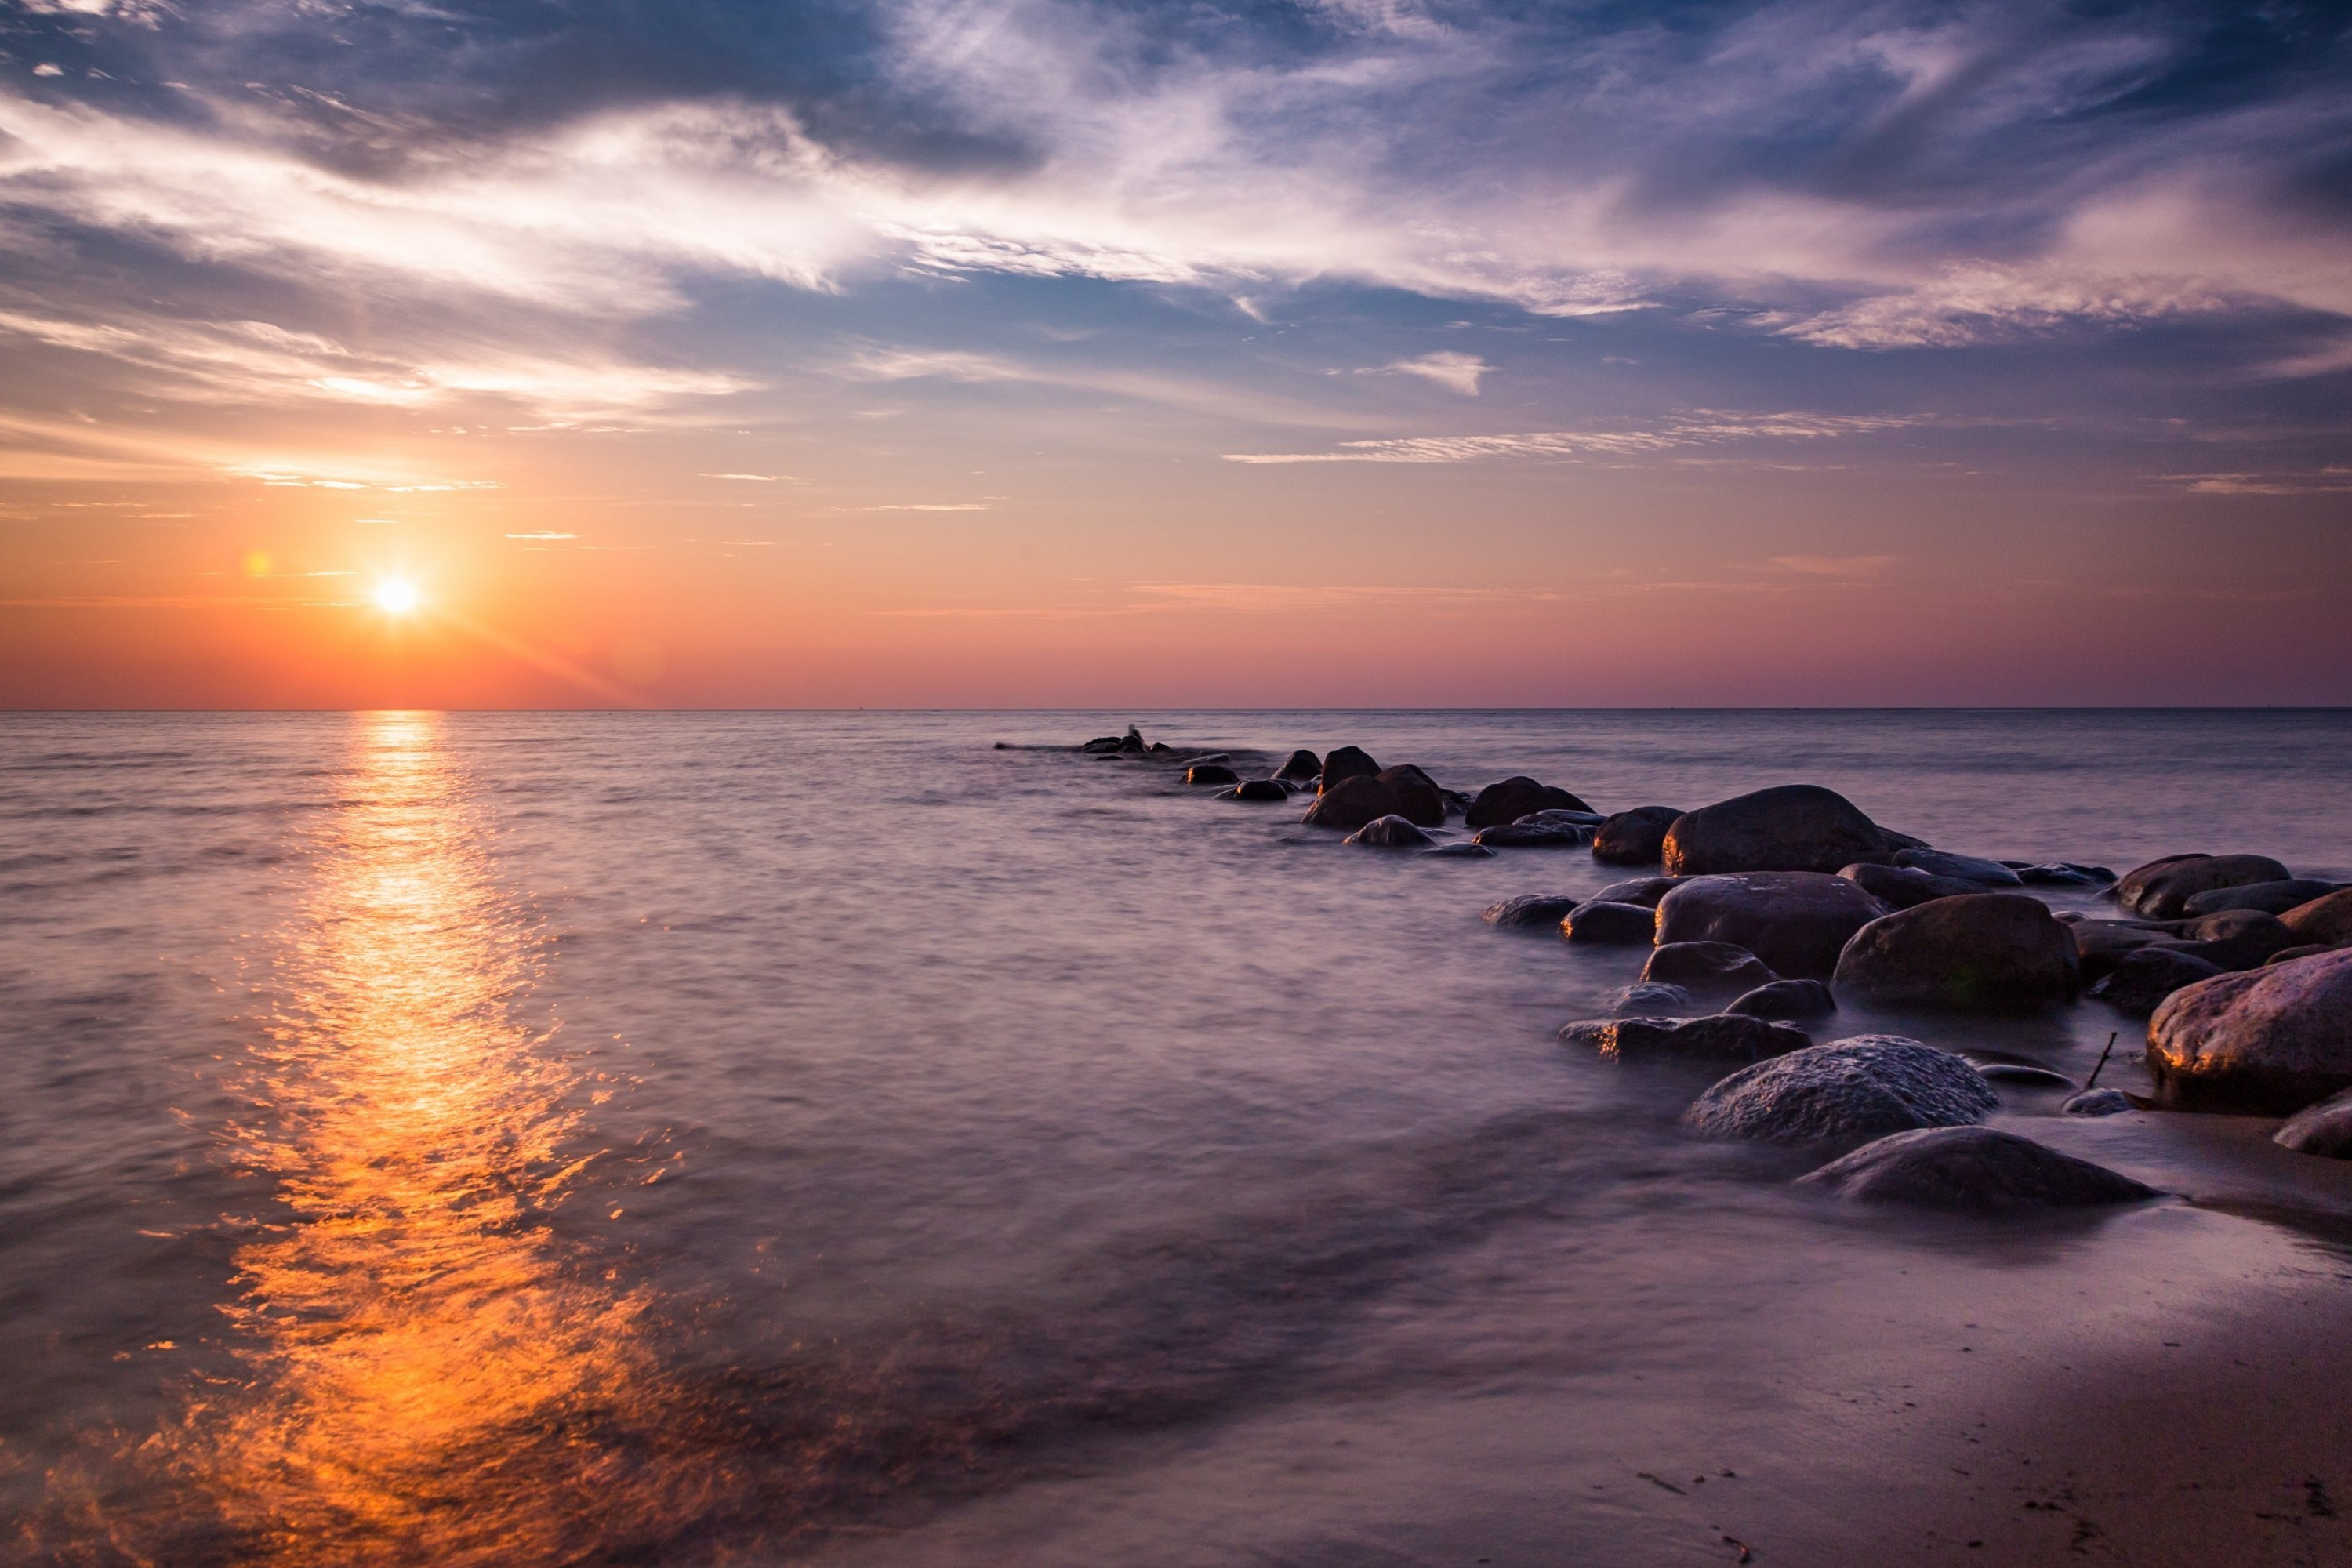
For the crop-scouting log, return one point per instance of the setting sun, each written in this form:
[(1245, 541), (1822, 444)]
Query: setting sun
[(397, 597)]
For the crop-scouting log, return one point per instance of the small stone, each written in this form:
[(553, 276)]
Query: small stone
[(1390, 833), (1261, 790), (1958, 868), (1531, 910), (2324, 1129), (1716, 967), (2097, 1102), (1789, 1000), (1719, 1037), (2024, 1075)]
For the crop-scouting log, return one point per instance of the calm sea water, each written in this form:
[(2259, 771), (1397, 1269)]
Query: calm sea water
[(564, 1138)]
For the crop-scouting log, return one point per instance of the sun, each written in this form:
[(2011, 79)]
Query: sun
[(397, 597)]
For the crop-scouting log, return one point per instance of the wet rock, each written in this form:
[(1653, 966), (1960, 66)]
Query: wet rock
[(1903, 887), (1980, 952), (2326, 921), (2100, 945), (1206, 758), (1717, 966), (2269, 898), (1975, 1169), (2141, 981), (1390, 833), (1720, 1038), (1635, 838), (1347, 763), (1557, 816), (1607, 924), (1532, 835), (2063, 874), (1796, 922), (2235, 939), (1791, 1001), (1653, 999), (1257, 790), (2288, 955), (1531, 910), (2024, 1075), (1850, 1089), (1644, 891), (1515, 797), (2096, 1102), (1210, 773), (1461, 852), (2161, 888), (1403, 792), (1791, 828), (1302, 767), (2266, 1041), (1115, 745), (1959, 868), (2324, 1129)]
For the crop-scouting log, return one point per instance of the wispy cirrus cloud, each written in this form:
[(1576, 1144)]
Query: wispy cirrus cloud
[(1699, 427)]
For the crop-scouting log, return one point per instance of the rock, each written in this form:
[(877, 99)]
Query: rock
[(1461, 852), (1644, 891), (1980, 952), (2024, 1075), (1515, 797), (1205, 758), (1717, 966), (1791, 828), (1722, 1038), (1902, 887), (2063, 874), (1635, 838), (1210, 773), (2096, 1102), (1959, 868), (1531, 910), (1345, 764), (2288, 955), (1258, 790), (2161, 888), (1653, 999), (1531, 836), (2100, 945), (1787, 1000), (1115, 745), (1390, 833), (1403, 792), (1302, 767), (1850, 1089), (2326, 920), (2270, 898), (2236, 939), (2267, 1042), (1973, 1168), (1796, 922), (1614, 925), (2324, 1129), (2141, 981), (1557, 816)]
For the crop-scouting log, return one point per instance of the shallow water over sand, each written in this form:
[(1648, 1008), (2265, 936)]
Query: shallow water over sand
[(738, 1137)]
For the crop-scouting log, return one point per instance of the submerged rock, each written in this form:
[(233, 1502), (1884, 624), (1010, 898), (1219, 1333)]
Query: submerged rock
[(1959, 868), (1787, 1000), (2269, 898), (1532, 835), (1302, 767), (2100, 945), (2235, 939), (2326, 920), (1635, 838), (1610, 925), (1645, 997), (1347, 763), (1515, 797), (1796, 922), (1461, 852), (1973, 1168), (2141, 981), (1905, 887), (1210, 773), (1644, 891), (2267, 1042), (2324, 1129), (1722, 1038), (1791, 828), (2161, 888), (2063, 874), (1258, 790), (2024, 1075), (1127, 745), (1531, 910), (1980, 952), (1717, 966), (1390, 833), (2097, 1102), (1864, 1087)]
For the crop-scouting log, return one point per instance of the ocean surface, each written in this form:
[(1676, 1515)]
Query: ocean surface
[(881, 1137)]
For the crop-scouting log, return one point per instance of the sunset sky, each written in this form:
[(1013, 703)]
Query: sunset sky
[(1039, 353)]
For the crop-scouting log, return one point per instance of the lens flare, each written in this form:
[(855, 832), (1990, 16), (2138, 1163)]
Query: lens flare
[(397, 597)]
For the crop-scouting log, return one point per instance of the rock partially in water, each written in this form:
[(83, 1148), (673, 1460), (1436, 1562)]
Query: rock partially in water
[(2161, 888), (1302, 767), (1210, 773), (1791, 1001), (2024, 1075), (1650, 998), (1461, 852), (1532, 835), (2269, 898), (2141, 981), (1904, 887), (1959, 868), (1796, 922), (1609, 925), (1635, 838), (2326, 921), (2266, 1041), (1975, 1169), (1129, 744), (2235, 939), (1980, 952), (2097, 1102), (1531, 910), (1722, 1038), (2100, 945), (1791, 828), (1347, 763), (2063, 874), (2324, 1129), (1403, 792), (1390, 833), (1847, 1091), (1713, 966), (1644, 891), (1515, 797), (1258, 790)]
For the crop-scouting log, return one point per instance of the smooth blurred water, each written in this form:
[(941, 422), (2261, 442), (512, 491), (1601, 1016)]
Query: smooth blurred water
[(544, 1138)]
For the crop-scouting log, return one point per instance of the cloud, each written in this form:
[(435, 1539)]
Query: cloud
[(2326, 481), (1700, 426), (1454, 371), (751, 478), (1845, 566), (543, 534)]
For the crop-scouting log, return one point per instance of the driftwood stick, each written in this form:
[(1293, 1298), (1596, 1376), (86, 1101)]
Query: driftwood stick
[(2103, 1062)]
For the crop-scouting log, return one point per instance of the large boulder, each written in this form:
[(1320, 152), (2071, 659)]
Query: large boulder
[(1972, 1168), (1796, 922), (1787, 1001), (1902, 887), (1347, 763), (1790, 828), (1403, 792), (1979, 953), (1390, 833), (1724, 1037), (2323, 1128), (1958, 868), (1845, 1091), (1302, 767), (2141, 980), (2235, 939), (1531, 910), (2161, 888), (2326, 920), (2269, 898), (1609, 925), (1644, 891), (1635, 838), (1515, 797), (2267, 1042), (1717, 966)]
